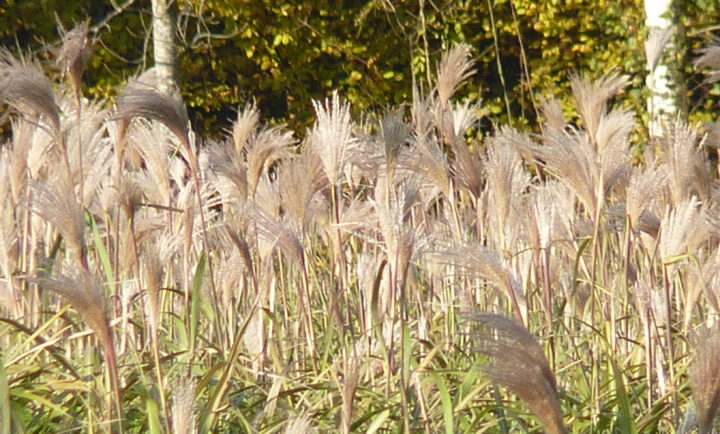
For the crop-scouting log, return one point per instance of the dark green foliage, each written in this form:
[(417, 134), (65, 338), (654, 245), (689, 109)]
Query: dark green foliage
[(286, 53)]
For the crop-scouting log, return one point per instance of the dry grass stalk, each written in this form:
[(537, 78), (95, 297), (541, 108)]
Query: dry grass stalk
[(518, 363), (153, 282), (351, 376)]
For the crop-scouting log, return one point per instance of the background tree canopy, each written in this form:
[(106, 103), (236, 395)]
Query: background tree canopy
[(286, 53)]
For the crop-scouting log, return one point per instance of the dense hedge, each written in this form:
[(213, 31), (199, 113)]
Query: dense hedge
[(284, 53)]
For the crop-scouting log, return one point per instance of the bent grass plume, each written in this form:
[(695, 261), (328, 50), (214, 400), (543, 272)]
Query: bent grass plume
[(518, 363), (82, 290), (704, 372)]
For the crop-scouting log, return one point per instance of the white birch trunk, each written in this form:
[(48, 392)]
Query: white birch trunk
[(663, 87), (164, 46)]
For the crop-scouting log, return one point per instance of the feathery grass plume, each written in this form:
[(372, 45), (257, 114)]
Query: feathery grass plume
[(55, 202), (83, 291), (354, 217), (399, 237), (553, 113), (247, 122), (686, 163), (455, 67), (155, 181), (299, 425), (27, 89), (267, 197), (231, 170), (507, 180), (570, 157), (457, 119), (73, 54), (468, 168), (332, 136), (592, 98), (463, 117), (710, 59), (279, 233), (550, 213), (477, 261), (428, 160), (254, 337), (518, 363), (88, 147), (704, 372), (705, 279), (299, 180), (183, 406), (16, 165), (423, 114), (41, 157), (642, 189), (393, 134), (263, 150), (684, 229), (141, 99), (613, 143), (613, 133), (128, 195), (655, 43)]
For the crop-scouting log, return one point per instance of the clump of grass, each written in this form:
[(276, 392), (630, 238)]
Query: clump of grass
[(320, 285)]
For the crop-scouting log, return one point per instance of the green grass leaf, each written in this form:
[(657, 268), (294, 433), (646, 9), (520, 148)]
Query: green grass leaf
[(446, 402)]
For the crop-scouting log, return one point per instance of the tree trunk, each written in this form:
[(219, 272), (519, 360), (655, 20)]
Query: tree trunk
[(164, 46), (663, 79)]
